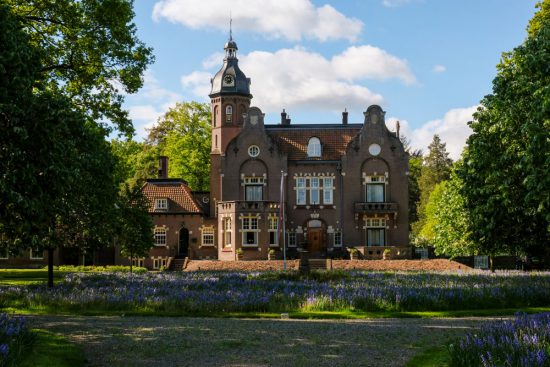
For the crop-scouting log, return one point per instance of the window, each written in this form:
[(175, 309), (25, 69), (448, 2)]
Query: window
[(160, 262), (36, 254), (422, 252), (4, 254), (161, 204), (228, 113), (481, 262), (376, 189), (253, 188), (301, 191), (226, 225), (376, 231), (327, 190), (160, 236), (337, 239), (292, 239), (273, 230), (207, 236), (140, 263), (250, 231), (314, 190), (253, 151), (314, 147)]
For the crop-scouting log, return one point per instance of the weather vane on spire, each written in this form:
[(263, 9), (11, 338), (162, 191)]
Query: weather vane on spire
[(230, 26)]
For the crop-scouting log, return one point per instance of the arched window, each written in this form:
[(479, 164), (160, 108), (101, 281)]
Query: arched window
[(215, 115), (314, 147), (228, 113)]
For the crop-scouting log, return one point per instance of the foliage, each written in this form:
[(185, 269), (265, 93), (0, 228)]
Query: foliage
[(505, 171), (436, 167), (447, 223), (136, 161), (183, 134), (100, 269), (90, 53), (222, 292), (523, 342), (135, 237), (15, 339), (50, 349), (415, 165)]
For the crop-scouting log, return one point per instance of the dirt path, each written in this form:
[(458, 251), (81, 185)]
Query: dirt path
[(168, 341)]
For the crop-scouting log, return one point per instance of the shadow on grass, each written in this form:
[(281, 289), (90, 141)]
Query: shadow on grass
[(50, 349), (432, 357)]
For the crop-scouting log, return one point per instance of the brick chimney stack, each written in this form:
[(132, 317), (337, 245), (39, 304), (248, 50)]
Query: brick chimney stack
[(163, 167), (284, 119), (345, 117)]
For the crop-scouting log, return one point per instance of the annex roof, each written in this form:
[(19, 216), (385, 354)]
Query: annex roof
[(179, 195)]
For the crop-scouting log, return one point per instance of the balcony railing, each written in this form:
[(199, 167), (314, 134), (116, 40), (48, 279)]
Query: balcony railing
[(376, 207), (249, 206)]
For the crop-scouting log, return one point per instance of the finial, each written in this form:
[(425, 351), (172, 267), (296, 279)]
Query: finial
[(230, 26)]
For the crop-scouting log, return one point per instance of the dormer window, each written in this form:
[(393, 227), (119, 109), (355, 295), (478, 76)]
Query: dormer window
[(161, 204), (314, 147), (228, 113)]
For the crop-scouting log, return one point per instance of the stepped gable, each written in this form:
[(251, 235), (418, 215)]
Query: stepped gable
[(293, 139), (179, 195)]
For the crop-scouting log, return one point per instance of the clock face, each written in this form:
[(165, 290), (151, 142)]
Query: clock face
[(374, 149), (228, 81)]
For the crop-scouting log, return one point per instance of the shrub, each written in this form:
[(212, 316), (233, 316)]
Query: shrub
[(108, 269)]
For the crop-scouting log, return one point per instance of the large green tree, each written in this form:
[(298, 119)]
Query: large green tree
[(505, 172), (137, 161), (183, 134), (91, 53), (436, 167)]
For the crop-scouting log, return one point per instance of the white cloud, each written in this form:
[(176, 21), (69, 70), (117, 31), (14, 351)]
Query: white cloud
[(288, 19), (371, 62), (439, 69), (150, 103), (453, 130), (299, 78)]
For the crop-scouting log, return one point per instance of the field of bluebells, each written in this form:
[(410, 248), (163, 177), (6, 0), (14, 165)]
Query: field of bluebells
[(523, 342), (15, 337), (203, 293)]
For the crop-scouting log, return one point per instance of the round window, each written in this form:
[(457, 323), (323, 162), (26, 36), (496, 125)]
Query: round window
[(253, 151), (374, 149)]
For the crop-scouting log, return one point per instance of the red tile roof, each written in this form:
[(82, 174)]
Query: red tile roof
[(293, 140), (179, 195)]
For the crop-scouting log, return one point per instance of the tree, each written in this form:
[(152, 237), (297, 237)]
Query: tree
[(415, 166), (136, 227), (447, 224), (435, 169), (505, 171), (184, 135), (91, 53), (137, 161)]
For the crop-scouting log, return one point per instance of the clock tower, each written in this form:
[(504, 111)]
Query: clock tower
[(230, 99)]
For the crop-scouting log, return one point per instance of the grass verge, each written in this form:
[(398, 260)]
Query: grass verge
[(432, 357), (50, 349)]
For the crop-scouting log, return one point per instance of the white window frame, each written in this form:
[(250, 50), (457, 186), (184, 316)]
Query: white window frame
[(208, 238), (138, 262), (159, 262), (161, 204), (253, 151), (160, 235), (314, 189), (255, 182), (249, 224), (375, 181), (301, 191), (314, 147), (273, 227), (481, 262), (40, 255), (227, 231), (375, 224), (292, 239), (328, 186), (337, 239), (228, 113)]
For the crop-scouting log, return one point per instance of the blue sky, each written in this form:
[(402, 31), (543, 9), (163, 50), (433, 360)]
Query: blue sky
[(426, 62)]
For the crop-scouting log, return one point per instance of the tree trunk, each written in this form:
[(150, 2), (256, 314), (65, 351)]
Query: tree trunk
[(131, 260), (50, 267), (491, 264)]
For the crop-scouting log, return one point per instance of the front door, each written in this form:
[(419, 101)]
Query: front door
[(315, 236), (183, 249)]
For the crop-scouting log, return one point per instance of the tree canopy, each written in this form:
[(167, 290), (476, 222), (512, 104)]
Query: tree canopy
[(90, 53), (505, 172)]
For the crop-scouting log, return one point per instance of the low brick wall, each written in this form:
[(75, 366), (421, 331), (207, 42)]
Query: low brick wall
[(259, 265)]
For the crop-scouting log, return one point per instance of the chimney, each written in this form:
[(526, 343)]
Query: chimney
[(345, 117), (163, 167), (283, 117), (398, 126)]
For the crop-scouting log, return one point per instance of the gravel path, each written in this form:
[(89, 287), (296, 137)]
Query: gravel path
[(182, 341)]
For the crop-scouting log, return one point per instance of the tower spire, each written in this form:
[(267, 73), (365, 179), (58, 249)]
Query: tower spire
[(230, 26)]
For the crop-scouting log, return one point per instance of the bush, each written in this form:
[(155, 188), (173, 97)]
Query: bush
[(107, 269)]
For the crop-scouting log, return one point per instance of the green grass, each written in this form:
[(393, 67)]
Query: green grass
[(50, 349), (28, 276), (432, 357)]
